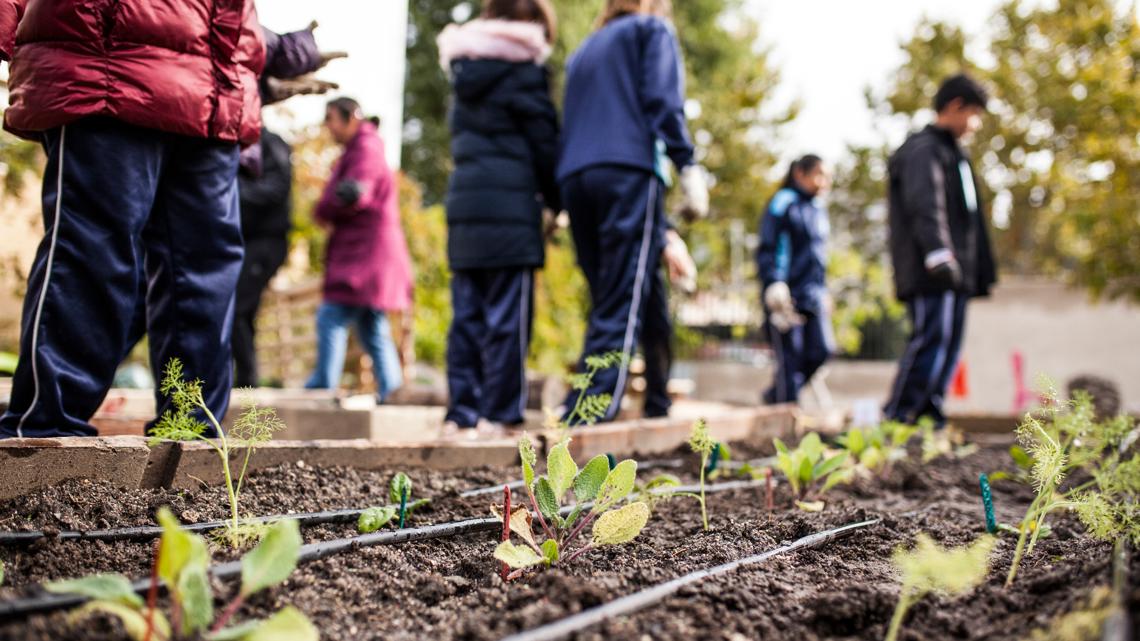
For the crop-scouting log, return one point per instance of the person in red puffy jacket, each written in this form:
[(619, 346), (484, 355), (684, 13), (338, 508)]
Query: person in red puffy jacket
[(141, 106)]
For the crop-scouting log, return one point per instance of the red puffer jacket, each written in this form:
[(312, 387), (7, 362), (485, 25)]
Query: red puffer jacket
[(183, 66)]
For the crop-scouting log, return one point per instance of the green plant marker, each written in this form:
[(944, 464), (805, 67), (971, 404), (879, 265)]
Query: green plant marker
[(988, 503), (403, 506), (612, 460), (714, 458)]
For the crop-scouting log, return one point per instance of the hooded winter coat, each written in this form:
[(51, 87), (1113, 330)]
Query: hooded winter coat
[(185, 66), (367, 261), (504, 143)]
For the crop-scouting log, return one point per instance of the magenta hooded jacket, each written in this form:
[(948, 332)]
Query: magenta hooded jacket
[(367, 261)]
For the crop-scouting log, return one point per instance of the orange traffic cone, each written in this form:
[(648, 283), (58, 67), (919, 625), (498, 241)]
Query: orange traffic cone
[(960, 387)]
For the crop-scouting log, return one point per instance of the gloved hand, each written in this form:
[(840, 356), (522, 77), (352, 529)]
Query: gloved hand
[(943, 269), (279, 89), (695, 193), (682, 269), (327, 56), (347, 192), (781, 308)]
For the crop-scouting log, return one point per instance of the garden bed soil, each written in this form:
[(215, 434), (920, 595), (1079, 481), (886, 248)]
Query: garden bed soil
[(450, 589)]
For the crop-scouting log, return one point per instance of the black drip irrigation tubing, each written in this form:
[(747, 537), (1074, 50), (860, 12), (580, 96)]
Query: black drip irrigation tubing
[(306, 519), (47, 602), (647, 597)]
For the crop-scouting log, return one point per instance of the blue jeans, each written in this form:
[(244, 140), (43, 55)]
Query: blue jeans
[(375, 335), (939, 324)]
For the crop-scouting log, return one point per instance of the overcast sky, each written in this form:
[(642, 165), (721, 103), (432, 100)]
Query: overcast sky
[(827, 51)]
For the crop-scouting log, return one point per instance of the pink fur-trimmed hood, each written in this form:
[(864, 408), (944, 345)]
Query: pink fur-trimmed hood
[(493, 40)]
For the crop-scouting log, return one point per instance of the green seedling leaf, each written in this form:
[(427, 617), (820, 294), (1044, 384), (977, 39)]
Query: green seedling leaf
[(417, 504), (837, 477), (621, 525), (811, 446), (517, 556), (804, 471), (288, 624), (1021, 457), (400, 488), (273, 560), (529, 459), (112, 588), (134, 620), (573, 516), (825, 467), (929, 567), (183, 563), (810, 506), (855, 442), (872, 458), (547, 500), (618, 484), (780, 447), (374, 518), (662, 481), (590, 479), (550, 552), (561, 469)]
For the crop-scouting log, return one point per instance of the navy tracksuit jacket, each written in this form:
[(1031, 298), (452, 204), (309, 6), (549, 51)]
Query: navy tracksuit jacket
[(624, 92), (114, 193), (793, 250)]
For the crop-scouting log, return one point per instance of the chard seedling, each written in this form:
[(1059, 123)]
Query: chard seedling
[(254, 427), (183, 563), (597, 491), (809, 470), (399, 491), (931, 568), (1065, 439), (876, 449)]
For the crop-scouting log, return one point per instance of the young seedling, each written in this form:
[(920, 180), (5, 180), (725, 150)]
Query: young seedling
[(597, 491), (810, 472), (702, 444), (591, 408), (253, 428), (876, 449), (399, 491), (1065, 439), (183, 563), (931, 568)]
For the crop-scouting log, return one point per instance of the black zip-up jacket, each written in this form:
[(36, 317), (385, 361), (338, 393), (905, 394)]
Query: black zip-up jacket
[(929, 211), (504, 141)]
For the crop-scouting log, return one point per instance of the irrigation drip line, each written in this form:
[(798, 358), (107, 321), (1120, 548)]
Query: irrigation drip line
[(638, 600), (46, 602)]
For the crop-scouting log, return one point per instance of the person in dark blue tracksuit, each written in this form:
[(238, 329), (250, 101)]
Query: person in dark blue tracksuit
[(504, 142), (940, 248), (792, 265), (624, 93)]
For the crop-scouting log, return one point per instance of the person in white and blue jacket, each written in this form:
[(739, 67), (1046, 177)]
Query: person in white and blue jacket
[(625, 92), (792, 262)]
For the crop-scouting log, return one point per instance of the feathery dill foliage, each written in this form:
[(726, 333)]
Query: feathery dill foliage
[(590, 409), (929, 567), (255, 426), (1068, 438)]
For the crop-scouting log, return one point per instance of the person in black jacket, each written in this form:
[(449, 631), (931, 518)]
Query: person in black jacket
[(940, 248), (266, 210), (505, 144)]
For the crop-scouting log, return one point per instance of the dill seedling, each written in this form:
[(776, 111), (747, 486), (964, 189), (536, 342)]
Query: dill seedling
[(931, 568), (702, 443), (255, 426), (591, 408)]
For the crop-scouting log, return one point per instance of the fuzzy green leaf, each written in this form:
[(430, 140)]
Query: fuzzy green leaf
[(183, 563), (548, 502), (662, 481), (288, 624), (529, 459), (811, 446), (273, 560), (561, 469), (134, 620), (573, 516), (374, 518), (400, 487), (929, 567), (114, 588), (520, 522), (827, 466), (550, 551), (618, 484), (780, 447), (621, 525), (517, 556), (590, 479)]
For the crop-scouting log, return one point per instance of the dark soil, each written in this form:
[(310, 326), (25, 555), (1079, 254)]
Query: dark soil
[(449, 588)]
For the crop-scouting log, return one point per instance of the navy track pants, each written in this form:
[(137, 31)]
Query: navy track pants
[(939, 324), (113, 194), (799, 352), (618, 222), (487, 345)]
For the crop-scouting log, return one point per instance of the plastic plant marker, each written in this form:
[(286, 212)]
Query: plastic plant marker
[(987, 503), (505, 570), (612, 460), (714, 459)]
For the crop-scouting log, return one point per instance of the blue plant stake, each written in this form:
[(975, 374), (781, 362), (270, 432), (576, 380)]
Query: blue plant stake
[(403, 506), (714, 458), (988, 503), (612, 460)]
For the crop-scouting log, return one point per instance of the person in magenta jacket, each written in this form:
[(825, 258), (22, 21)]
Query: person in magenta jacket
[(368, 270)]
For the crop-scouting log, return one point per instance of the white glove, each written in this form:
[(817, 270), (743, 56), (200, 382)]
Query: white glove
[(682, 269), (695, 191), (781, 308)]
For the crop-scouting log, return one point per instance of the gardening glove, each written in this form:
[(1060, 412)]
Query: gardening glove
[(694, 192), (943, 269), (279, 89), (781, 308), (682, 269), (347, 192)]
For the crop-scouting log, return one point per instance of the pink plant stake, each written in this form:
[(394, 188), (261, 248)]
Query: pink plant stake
[(505, 571)]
